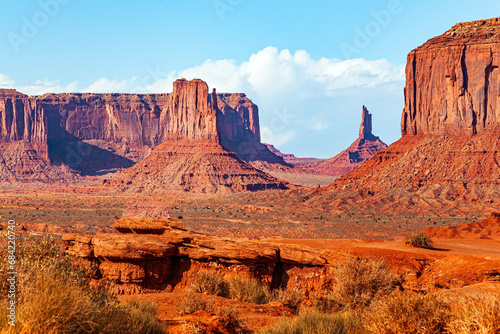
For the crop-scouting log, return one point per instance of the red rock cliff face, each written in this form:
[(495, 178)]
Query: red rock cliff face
[(452, 82), (95, 133), (21, 118), (448, 160), (239, 118), (187, 113)]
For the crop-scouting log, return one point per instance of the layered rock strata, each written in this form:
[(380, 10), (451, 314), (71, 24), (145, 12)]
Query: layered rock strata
[(64, 137), (452, 82), (151, 255), (448, 159)]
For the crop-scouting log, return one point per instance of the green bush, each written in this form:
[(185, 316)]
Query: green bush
[(419, 239)]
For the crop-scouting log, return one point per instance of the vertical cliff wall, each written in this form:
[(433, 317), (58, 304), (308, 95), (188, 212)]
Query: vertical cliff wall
[(452, 82), (448, 160), (94, 133)]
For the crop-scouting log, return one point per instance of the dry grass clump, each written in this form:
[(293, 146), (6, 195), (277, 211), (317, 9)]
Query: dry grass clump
[(314, 322), (360, 281), (289, 298), (244, 289), (327, 302), (407, 312), (419, 239), (478, 315), (248, 290), (190, 304), (229, 317), (54, 297), (209, 283)]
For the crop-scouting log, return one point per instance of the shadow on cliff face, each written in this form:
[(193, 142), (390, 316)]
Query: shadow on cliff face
[(87, 159)]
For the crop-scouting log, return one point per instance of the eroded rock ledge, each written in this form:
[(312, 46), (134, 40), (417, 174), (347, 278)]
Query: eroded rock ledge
[(151, 255)]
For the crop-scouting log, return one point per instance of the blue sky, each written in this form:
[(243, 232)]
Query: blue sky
[(309, 66)]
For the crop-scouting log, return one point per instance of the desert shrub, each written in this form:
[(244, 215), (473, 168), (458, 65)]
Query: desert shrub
[(54, 297), (406, 313), (209, 283), (419, 239), (360, 281), (190, 304), (229, 317), (478, 314), (289, 298), (327, 302), (248, 290), (314, 322)]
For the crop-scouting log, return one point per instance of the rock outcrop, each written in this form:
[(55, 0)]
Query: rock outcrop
[(448, 159), (288, 157), (361, 150), (486, 229), (136, 259)]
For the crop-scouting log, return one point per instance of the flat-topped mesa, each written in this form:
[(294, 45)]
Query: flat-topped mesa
[(453, 82)]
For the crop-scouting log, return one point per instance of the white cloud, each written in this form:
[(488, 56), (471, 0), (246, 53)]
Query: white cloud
[(105, 85), (319, 126), (41, 87), (277, 138), (6, 81)]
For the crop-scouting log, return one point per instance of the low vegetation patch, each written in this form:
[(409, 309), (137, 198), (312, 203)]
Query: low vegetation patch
[(54, 296), (190, 304), (359, 282), (314, 322), (479, 314), (209, 283), (419, 239), (408, 312), (289, 298), (248, 290)]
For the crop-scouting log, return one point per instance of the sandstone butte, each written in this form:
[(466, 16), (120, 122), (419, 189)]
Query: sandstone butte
[(448, 159), (361, 150), (65, 137)]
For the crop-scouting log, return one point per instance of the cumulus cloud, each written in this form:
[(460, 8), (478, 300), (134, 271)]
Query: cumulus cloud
[(105, 85), (318, 94), (39, 87), (6, 81)]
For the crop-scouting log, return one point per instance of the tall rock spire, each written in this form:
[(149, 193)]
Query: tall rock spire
[(365, 129)]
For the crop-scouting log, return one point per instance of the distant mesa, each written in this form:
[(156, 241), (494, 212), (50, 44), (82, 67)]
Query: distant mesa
[(289, 158), (71, 138), (361, 150)]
